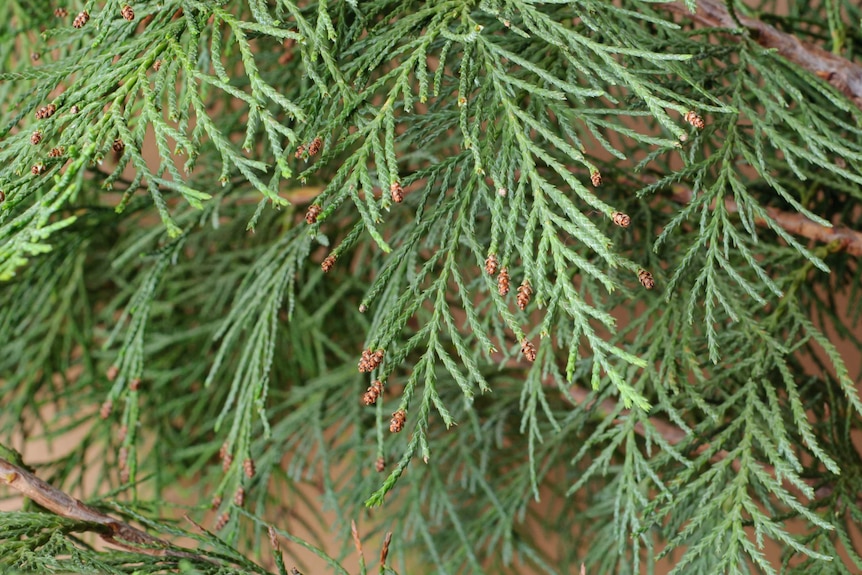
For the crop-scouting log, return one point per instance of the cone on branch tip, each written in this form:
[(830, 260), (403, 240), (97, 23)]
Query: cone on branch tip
[(621, 219), (646, 279), (312, 213), (373, 392), (370, 360), (528, 349), (503, 282), (399, 418), (492, 265), (525, 292)]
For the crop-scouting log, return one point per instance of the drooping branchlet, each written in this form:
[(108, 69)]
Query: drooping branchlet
[(528, 349), (315, 146), (81, 19), (36, 137), (248, 467), (503, 282), (328, 263), (127, 12), (312, 213), (38, 169), (646, 279), (399, 418), (397, 192), (370, 360), (380, 465), (45, 111), (373, 392), (621, 219), (694, 119), (525, 292), (492, 265), (239, 496), (596, 178)]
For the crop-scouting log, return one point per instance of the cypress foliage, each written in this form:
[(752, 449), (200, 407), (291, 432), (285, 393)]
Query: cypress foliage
[(483, 274)]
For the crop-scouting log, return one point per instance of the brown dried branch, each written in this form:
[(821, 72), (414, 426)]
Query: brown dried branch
[(843, 74), (114, 531), (846, 239)]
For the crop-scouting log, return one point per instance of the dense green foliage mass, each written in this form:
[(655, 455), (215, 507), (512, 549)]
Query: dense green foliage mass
[(581, 252)]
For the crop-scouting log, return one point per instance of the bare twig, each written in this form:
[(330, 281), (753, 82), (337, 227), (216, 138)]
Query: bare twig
[(845, 75), (114, 531), (846, 239)]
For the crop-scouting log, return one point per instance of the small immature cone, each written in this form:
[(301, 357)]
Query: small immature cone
[(525, 292), (694, 119), (621, 219), (38, 169), (118, 145), (135, 384), (61, 12), (315, 146), (312, 213), (45, 111), (370, 360), (81, 19), (239, 497), (492, 265), (216, 502), (646, 279), (105, 410), (528, 349), (384, 552), (112, 372), (328, 263), (399, 418), (300, 151), (380, 465), (596, 178), (503, 282), (74, 110), (397, 192), (248, 467), (56, 152), (2, 196), (127, 12), (273, 539), (222, 521), (36, 137), (373, 392)]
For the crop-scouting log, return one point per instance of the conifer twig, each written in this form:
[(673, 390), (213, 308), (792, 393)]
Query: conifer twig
[(115, 532), (847, 240), (843, 74)]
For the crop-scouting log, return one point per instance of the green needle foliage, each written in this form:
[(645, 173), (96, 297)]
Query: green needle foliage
[(556, 237)]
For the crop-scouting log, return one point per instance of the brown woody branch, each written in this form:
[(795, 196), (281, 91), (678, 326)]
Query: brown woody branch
[(846, 239), (843, 74), (112, 530)]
